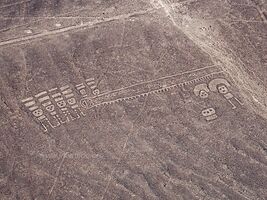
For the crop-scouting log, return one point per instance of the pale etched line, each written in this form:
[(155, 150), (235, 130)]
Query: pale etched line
[(64, 87), (182, 2), (93, 87), (27, 99), (69, 95), (238, 20), (56, 95), (43, 99), (40, 94), (155, 80), (123, 149), (90, 83), (47, 103), (248, 4), (123, 34), (28, 104), (48, 17), (14, 27), (208, 76), (243, 151), (14, 4), (75, 106), (89, 79), (74, 27), (78, 85), (58, 99), (234, 20), (41, 118), (57, 174), (81, 87), (53, 89), (193, 1), (33, 108), (67, 91), (243, 20), (61, 16)]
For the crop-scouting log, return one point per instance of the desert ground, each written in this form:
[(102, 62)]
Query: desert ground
[(133, 100)]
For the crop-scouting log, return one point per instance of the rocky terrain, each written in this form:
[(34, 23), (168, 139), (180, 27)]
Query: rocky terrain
[(133, 99)]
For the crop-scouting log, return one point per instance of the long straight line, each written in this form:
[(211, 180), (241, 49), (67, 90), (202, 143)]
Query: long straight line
[(157, 90), (154, 80), (74, 27), (14, 4)]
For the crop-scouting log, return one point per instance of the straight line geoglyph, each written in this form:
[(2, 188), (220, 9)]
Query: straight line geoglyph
[(164, 89), (154, 80), (74, 27)]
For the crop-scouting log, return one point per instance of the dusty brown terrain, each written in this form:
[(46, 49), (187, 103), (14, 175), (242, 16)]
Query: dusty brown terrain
[(133, 99)]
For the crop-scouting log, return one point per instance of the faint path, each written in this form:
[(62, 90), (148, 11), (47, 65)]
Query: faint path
[(156, 5), (123, 151), (57, 175), (14, 4), (75, 27)]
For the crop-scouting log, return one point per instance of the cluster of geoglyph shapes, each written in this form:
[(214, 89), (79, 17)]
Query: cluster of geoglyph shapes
[(221, 86), (58, 106), (88, 102)]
